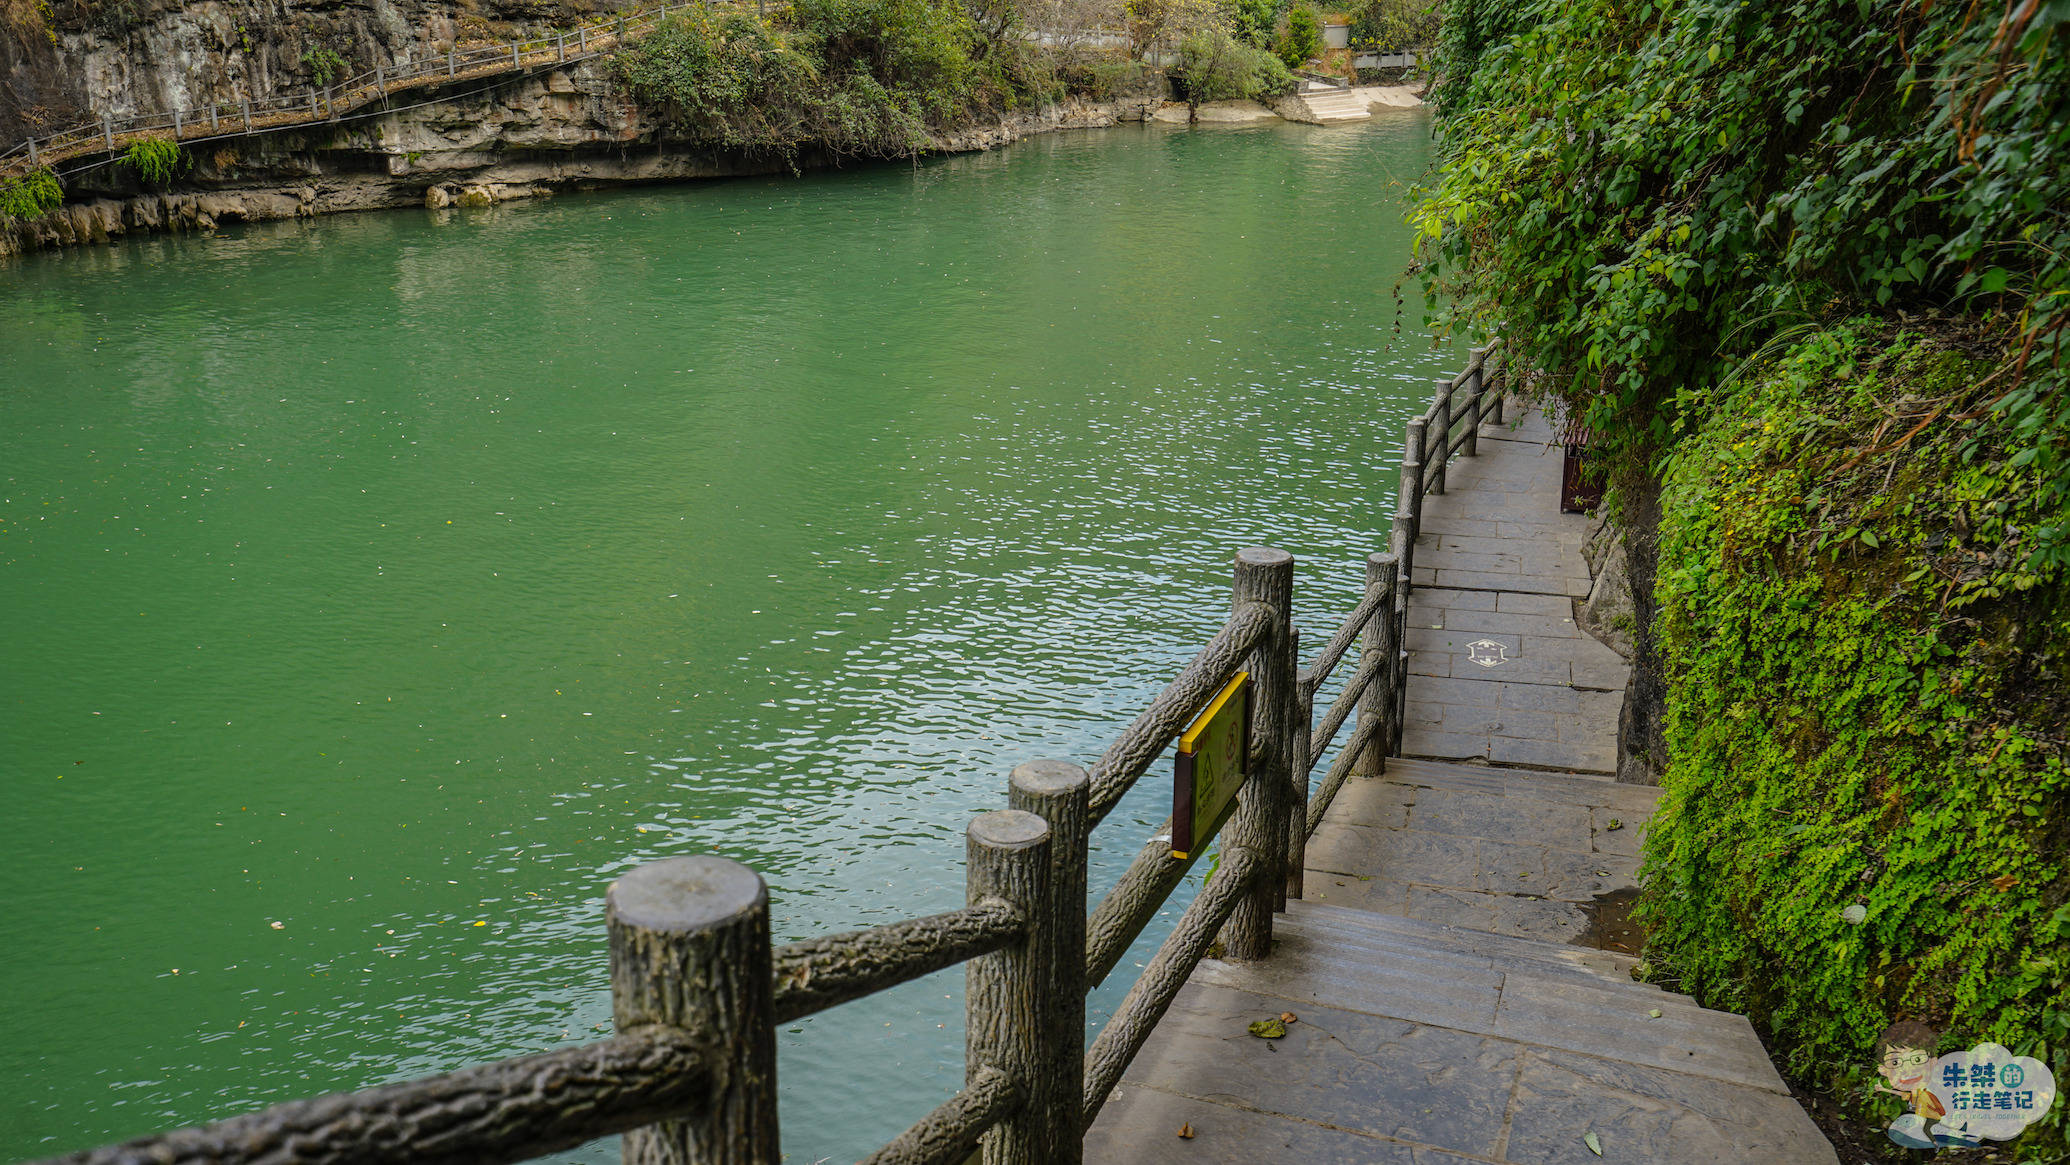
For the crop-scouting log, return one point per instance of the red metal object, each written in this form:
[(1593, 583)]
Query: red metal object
[(1580, 490)]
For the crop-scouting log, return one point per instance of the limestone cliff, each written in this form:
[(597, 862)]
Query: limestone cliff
[(63, 62)]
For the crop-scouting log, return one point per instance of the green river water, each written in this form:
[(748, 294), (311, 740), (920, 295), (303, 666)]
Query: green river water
[(377, 588)]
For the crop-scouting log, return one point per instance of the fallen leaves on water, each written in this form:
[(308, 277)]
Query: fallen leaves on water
[(1594, 1146), (1185, 1132), (1268, 1029)]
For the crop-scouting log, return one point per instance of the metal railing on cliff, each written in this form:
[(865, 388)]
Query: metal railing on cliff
[(343, 98), (697, 989)]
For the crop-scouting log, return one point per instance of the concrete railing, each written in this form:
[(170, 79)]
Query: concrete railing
[(698, 990)]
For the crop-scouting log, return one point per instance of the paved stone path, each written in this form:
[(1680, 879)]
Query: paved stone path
[(1498, 565), (1455, 967)]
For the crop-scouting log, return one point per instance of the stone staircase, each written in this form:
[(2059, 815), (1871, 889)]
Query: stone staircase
[(1460, 965), (1333, 105), (1454, 1003)]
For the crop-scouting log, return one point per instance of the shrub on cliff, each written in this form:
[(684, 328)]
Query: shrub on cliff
[(867, 77)]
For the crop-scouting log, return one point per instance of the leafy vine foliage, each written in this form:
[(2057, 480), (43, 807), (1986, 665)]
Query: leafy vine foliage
[(1805, 264), (1659, 188), (155, 160)]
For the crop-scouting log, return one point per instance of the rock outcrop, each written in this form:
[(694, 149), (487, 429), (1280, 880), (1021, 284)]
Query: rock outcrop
[(555, 129)]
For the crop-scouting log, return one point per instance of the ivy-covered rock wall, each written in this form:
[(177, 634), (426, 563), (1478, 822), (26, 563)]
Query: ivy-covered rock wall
[(1864, 807)]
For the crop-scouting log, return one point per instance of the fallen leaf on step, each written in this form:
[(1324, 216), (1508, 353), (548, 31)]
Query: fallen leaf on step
[(1594, 1146), (1268, 1029), (1289, 1017), (1185, 1132), (1614, 824), (1655, 1013)]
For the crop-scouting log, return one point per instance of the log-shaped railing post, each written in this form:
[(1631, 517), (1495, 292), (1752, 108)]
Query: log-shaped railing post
[(1441, 416), (1060, 793), (1408, 525), (1264, 575), (1500, 384), (690, 950), (1411, 503), (1303, 728), (1007, 994), (1378, 643), (1476, 386), (1402, 588)]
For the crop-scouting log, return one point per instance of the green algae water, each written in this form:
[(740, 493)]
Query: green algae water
[(378, 588)]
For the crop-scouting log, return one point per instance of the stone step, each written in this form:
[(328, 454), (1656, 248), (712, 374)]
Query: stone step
[(1328, 958), (1335, 105), (1538, 856), (1561, 788), (1436, 945)]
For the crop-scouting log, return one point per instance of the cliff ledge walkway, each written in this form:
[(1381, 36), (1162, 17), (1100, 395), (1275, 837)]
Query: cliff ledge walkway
[(1453, 965)]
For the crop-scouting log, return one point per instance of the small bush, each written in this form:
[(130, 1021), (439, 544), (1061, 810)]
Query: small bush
[(1254, 20), (1214, 66), (32, 195), (1393, 26), (1303, 37)]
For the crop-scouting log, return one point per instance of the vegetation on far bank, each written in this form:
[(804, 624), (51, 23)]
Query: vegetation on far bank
[(883, 77), (1804, 269)]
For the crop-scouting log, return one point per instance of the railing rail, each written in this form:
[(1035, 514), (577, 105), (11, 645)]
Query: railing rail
[(698, 990)]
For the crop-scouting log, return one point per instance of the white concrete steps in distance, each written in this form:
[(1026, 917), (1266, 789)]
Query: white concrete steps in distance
[(1333, 105)]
